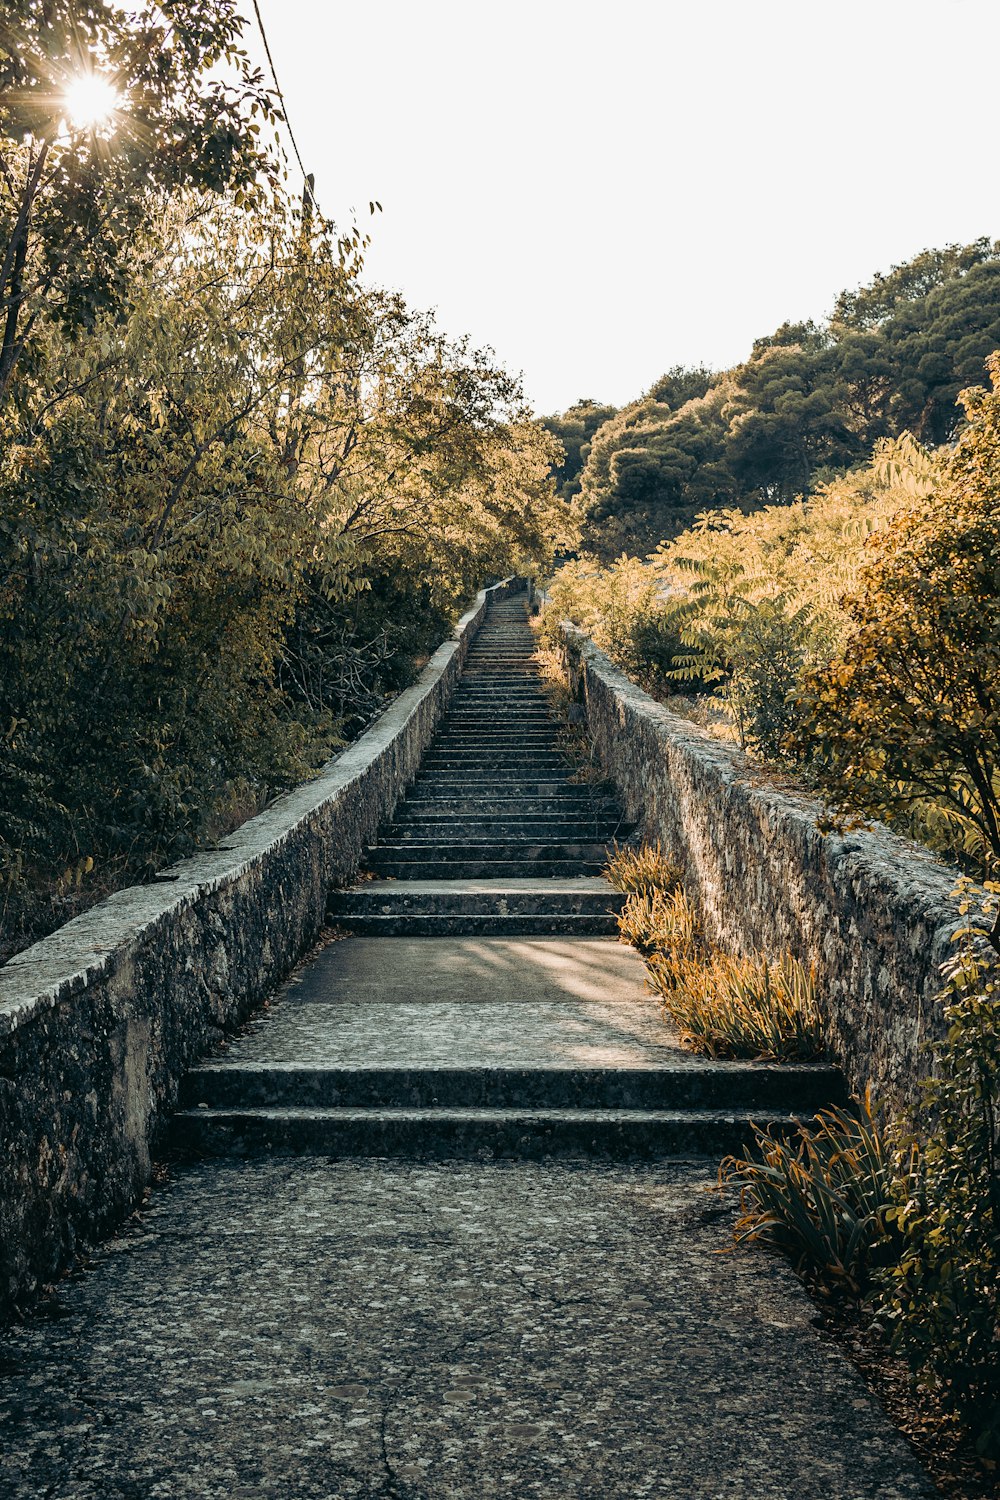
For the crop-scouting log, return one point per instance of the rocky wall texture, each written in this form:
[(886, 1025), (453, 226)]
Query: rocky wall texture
[(873, 911), (99, 1021)]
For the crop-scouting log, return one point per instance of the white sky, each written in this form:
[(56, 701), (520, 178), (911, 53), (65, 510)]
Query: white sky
[(600, 191)]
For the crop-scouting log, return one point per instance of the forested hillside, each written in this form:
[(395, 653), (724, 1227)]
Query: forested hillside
[(809, 402), (240, 493)]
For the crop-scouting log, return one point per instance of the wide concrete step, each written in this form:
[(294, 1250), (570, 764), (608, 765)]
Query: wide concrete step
[(444, 1133), (483, 924), (794, 1089), (477, 898)]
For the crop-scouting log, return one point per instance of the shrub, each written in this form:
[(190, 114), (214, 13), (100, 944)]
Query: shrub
[(823, 1198), (751, 1007), (942, 1292), (907, 1217), (622, 609), (724, 1006), (907, 715)]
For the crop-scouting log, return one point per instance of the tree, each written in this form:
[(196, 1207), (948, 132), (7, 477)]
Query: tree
[(870, 306), (188, 110), (679, 384), (247, 446), (575, 429), (907, 715), (651, 469)]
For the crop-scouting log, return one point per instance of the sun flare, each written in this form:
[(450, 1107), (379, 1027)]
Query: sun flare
[(90, 100)]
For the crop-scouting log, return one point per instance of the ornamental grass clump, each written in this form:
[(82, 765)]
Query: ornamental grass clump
[(642, 871), (823, 1197), (657, 916), (662, 925), (755, 1007), (724, 1006)]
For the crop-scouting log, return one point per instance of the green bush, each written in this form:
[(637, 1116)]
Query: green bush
[(822, 1197), (941, 1291)]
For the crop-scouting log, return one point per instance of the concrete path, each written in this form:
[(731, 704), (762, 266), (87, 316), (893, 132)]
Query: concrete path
[(308, 1330)]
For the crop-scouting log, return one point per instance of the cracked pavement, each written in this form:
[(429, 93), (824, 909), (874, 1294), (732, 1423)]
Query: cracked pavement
[(323, 1330)]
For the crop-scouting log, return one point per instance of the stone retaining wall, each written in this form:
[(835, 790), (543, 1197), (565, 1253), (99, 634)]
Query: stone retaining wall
[(874, 912), (99, 1021)]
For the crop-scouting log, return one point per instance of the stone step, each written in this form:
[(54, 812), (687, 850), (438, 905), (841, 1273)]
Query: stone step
[(490, 869), (505, 751), (522, 692), (480, 849), (447, 804), (799, 1089), (468, 759), (499, 830), (528, 713), (457, 1133), (494, 706), (504, 774), (456, 746), (511, 721), (456, 783), (505, 721), (477, 898), (495, 737), (539, 713), (505, 781), (512, 714), (495, 681), (482, 924)]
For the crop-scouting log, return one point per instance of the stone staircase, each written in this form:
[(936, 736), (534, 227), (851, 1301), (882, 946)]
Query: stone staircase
[(481, 1005), (494, 800)]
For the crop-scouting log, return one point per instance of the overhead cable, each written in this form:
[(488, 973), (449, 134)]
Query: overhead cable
[(306, 176)]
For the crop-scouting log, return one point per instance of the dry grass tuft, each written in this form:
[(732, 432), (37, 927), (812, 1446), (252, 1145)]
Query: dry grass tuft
[(754, 1007), (642, 871)]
